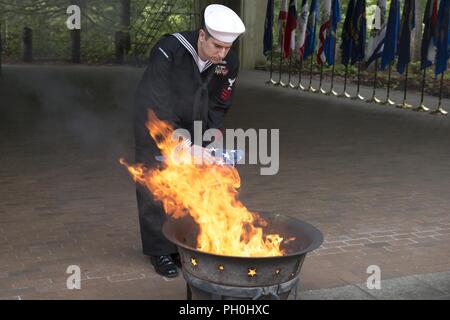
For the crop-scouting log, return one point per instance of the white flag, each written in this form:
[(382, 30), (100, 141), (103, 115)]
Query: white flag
[(301, 27), (375, 45)]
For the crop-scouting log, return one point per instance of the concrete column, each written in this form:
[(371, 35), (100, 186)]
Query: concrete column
[(253, 13)]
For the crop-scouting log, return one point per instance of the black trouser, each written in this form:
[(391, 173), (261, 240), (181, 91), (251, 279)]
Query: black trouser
[(151, 212), (151, 219)]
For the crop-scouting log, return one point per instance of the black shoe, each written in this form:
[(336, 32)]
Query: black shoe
[(164, 266), (176, 259)]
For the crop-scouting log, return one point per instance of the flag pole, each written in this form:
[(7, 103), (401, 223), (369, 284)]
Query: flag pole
[(332, 92), (271, 81), (375, 78), (271, 66), (300, 86), (310, 87), (280, 83), (290, 84), (345, 93), (358, 96), (422, 107), (269, 18), (405, 105), (321, 78), (439, 110), (388, 100)]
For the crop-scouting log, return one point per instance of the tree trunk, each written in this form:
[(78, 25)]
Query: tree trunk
[(1, 49), (27, 45), (125, 24), (120, 47), (75, 36), (420, 9)]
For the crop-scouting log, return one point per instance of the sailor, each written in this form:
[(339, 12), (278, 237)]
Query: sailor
[(191, 76)]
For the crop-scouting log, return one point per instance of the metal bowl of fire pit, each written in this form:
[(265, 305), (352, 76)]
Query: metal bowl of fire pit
[(212, 271)]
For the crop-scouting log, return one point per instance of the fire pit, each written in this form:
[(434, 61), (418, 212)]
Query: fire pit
[(219, 277)]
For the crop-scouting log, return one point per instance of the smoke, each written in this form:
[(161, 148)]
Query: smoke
[(89, 107)]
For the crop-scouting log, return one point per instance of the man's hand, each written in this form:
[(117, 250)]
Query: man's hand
[(202, 155), (186, 152)]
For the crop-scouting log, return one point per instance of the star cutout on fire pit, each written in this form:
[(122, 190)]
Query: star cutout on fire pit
[(221, 268), (252, 272), (194, 262)]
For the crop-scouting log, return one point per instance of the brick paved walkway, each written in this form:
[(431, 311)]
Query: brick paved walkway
[(373, 179)]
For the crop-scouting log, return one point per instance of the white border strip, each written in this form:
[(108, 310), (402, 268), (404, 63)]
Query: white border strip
[(189, 47)]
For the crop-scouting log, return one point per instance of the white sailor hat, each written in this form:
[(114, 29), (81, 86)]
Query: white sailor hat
[(223, 23)]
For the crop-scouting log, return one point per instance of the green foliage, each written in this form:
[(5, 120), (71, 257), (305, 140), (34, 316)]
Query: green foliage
[(100, 20)]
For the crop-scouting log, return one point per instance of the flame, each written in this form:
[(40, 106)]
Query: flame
[(208, 193)]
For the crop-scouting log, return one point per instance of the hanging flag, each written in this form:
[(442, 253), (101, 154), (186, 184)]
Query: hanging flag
[(359, 26), (377, 33), (282, 20), (408, 23), (346, 44), (289, 34), (326, 22), (301, 28), (330, 41), (442, 53), (310, 43), (268, 26), (392, 30), (429, 38)]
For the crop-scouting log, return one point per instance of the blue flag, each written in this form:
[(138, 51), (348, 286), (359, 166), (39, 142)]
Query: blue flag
[(347, 39), (358, 26), (330, 40), (442, 53), (392, 30), (310, 42), (268, 26), (429, 38), (404, 44)]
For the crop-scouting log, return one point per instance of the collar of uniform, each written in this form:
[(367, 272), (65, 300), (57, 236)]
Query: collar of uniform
[(189, 41)]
